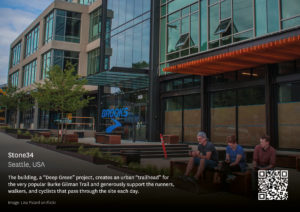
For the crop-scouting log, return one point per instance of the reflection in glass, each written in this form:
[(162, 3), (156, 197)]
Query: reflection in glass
[(173, 116), (289, 115), (192, 117), (251, 115), (222, 115)]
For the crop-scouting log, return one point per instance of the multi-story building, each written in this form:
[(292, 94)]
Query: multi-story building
[(175, 66), (239, 70), (71, 31)]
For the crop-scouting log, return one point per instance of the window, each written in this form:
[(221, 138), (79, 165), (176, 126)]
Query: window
[(14, 79), (46, 63), (67, 27), (290, 13), (49, 27), (288, 115), (86, 2), (32, 41), (29, 73), (223, 26), (93, 61), (95, 24), (16, 54), (61, 58), (182, 40)]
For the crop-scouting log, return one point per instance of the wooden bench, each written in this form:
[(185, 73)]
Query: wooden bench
[(71, 138), (240, 185), (171, 139), (108, 139)]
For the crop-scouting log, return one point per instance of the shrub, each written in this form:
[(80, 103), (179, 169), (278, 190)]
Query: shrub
[(27, 133), (19, 132)]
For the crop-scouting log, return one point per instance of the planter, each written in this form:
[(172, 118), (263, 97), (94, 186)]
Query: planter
[(70, 138), (171, 139), (108, 139)]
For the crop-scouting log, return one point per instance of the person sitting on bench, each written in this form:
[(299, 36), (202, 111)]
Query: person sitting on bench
[(264, 158), (205, 157), (235, 159)]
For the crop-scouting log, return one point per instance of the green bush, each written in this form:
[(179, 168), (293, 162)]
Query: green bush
[(19, 132), (27, 133)]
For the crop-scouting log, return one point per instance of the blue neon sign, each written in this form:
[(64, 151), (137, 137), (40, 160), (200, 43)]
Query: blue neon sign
[(113, 114)]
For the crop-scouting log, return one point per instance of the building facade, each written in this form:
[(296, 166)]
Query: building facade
[(228, 67), (240, 60)]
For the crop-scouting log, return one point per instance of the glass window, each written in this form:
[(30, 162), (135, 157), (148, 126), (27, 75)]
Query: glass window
[(29, 74), (191, 117), (86, 2), (16, 54), (95, 24), (251, 115), (14, 79), (289, 115), (173, 116), (289, 67), (178, 4), (242, 15), (93, 61), (173, 35), (163, 40), (222, 115), (46, 63), (67, 26), (290, 8), (49, 27), (203, 30)]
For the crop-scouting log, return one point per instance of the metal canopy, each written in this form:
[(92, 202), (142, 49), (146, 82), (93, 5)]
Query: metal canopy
[(121, 77)]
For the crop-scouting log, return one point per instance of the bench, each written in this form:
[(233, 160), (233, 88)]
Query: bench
[(107, 139), (171, 139), (70, 138), (240, 185)]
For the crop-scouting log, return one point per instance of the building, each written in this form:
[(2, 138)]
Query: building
[(241, 70), (71, 31), (173, 66), (3, 88)]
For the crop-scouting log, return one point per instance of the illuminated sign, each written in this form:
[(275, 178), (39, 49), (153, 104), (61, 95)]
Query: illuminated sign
[(114, 113)]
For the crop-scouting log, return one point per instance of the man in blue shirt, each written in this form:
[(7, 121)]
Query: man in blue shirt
[(205, 157)]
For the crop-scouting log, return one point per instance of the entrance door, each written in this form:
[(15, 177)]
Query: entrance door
[(137, 129)]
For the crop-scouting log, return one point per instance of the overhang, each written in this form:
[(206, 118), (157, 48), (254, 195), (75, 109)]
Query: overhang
[(267, 53), (121, 77)]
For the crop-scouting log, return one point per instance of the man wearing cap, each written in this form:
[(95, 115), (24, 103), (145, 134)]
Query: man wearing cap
[(205, 157)]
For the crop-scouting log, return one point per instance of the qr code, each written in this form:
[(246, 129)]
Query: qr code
[(272, 185)]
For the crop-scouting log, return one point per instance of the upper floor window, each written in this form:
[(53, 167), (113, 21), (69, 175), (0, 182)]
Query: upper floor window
[(49, 27), (32, 41), (63, 25), (16, 54), (95, 24), (67, 26), (86, 2)]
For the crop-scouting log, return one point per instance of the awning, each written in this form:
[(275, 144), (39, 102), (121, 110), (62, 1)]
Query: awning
[(271, 52), (120, 77)]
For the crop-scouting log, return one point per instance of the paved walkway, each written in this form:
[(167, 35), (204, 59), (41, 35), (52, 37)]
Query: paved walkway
[(57, 163)]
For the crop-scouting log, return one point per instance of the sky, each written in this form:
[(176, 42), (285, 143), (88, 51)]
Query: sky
[(15, 17)]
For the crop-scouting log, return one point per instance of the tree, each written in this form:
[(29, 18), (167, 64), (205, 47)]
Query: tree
[(62, 91), (15, 98)]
